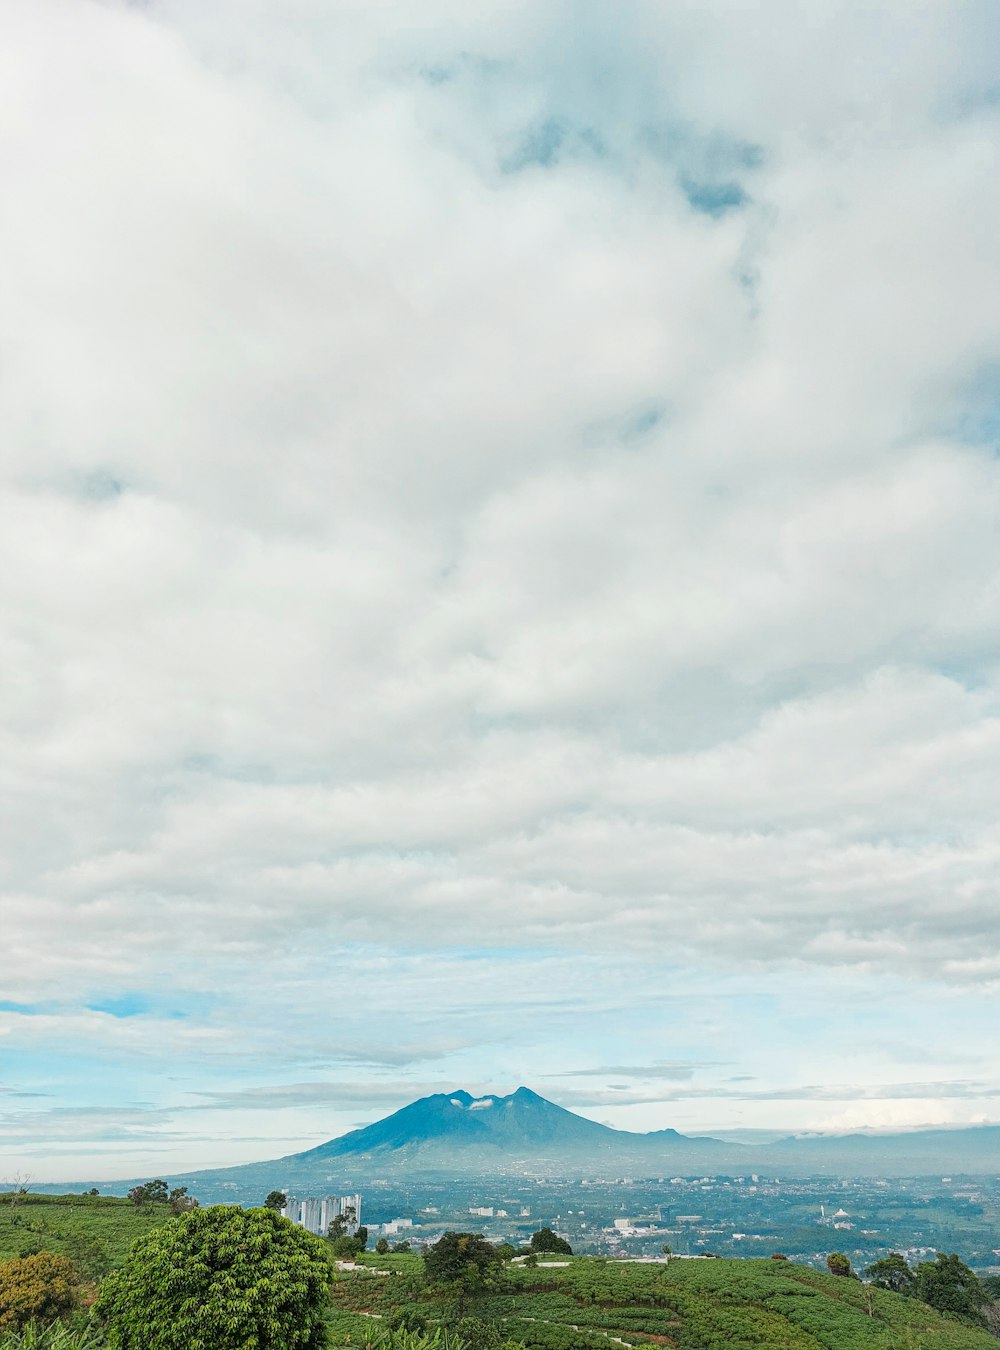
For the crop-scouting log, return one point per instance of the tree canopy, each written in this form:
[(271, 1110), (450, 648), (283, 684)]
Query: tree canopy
[(547, 1241), (892, 1272), (464, 1262), (219, 1278), (948, 1285), (838, 1264)]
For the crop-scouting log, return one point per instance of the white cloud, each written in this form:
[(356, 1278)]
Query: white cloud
[(505, 482)]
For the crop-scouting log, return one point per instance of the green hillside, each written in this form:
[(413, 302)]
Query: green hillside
[(94, 1231), (583, 1304), (590, 1304)]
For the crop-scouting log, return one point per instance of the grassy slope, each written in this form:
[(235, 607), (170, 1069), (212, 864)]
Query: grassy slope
[(93, 1231), (690, 1305)]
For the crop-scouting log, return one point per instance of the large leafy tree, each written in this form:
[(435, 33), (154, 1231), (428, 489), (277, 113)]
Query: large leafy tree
[(151, 1193), (892, 1272), (950, 1286), (220, 1278), (465, 1263), (547, 1241)]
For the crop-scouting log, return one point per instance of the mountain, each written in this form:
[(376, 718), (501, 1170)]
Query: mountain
[(454, 1134), (451, 1124)]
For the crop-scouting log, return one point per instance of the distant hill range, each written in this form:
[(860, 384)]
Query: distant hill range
[(523, 1134)]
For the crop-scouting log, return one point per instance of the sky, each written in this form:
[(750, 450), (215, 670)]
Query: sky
[(499, 568)]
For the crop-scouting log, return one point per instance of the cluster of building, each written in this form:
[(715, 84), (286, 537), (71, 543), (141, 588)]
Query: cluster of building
[(317, 1213)]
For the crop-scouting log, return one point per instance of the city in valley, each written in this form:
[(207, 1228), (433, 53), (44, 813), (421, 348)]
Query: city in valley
[(744, 1216)]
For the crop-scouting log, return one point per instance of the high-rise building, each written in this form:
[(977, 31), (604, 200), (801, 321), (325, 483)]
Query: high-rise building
[(317, 1213)]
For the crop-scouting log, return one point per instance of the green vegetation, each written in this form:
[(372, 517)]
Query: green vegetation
[(946, 1284), (221, 1278), (52, 1336), (94, 1231), (547, 1241), (592, 1304), (33, 1288)]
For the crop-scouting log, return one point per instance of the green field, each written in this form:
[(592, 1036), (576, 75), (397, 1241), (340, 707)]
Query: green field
[(94, 1231), (691, 1305)]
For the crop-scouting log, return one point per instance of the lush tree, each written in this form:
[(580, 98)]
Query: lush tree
[(382, 1246), (36, 1288), (838, 1264), (463, 1262), (275, 1200), (892, 1272), (150, 1193), (219, 1278), (403, 1246), (547, 1241), (180, 1202), (506, 1250), (948, 1285)]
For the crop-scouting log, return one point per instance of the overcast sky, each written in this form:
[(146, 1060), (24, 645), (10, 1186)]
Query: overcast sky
[(499, 567)]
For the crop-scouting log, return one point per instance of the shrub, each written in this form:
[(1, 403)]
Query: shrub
[(220, 1278), (38, 1287)]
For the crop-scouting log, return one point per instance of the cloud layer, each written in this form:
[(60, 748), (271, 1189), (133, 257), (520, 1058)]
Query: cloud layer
[(487, 502)]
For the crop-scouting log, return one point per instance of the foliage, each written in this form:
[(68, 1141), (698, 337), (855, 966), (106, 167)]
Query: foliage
[(948, 1285), (52, 1336), (892, 1272), (219, 1278), (462, 1258), (31, 1287), (180, 1202), (382, 1246), (839, 1264), (151, 1193), (347, 1248), (471, 1335), (547, 1241), (275, 1200), (95, 1232), (687, 1304)]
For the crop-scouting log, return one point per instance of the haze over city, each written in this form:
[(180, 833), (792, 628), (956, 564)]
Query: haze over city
[(500, 569)]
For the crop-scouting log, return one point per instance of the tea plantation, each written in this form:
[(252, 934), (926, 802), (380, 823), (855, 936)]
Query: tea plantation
[(589, 1304)]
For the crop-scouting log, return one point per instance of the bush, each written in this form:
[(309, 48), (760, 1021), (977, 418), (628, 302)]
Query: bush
[(220, 1278), (36, 1288)]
